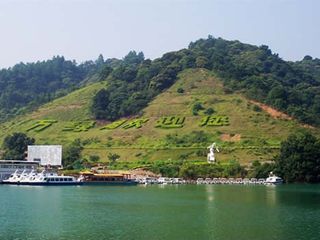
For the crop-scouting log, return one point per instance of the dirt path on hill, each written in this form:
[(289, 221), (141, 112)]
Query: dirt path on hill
[(272, 112), (276, 113)]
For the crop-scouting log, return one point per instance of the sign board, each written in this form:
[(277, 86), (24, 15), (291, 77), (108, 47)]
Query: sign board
[(45, 154)]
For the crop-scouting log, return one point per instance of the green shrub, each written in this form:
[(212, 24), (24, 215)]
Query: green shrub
[(41, 125), (79, 126), (214, 121), (180, 90), (257, 108), (196, 108), (114, 125), (186, 140), (170, 122), (209, 111), (136, 123)]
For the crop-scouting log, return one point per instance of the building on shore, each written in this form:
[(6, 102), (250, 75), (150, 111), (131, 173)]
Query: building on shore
[(46, 155)]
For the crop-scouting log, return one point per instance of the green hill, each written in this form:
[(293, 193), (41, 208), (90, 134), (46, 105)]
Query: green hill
[(242, 130), (165, 112)]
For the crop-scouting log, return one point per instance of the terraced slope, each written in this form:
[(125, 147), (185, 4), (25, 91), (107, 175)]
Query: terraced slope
[(242, 130)]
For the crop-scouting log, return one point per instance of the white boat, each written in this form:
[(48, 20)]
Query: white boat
[(273, 179), (163, 180), (14, 178), (43, 178), (200, 181), (178, 181), (148, 180)]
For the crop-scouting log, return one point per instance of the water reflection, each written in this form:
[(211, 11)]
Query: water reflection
[(160, 212), (271, 195)]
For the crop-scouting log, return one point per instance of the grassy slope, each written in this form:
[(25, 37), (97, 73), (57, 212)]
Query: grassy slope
[(259, 133)]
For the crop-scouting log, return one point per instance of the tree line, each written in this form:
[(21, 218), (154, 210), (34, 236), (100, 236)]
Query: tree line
[(26, 86), (298, 160), (292, 87)]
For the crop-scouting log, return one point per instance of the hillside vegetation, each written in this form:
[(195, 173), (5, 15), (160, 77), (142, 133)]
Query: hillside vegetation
[(138, 111), (259, 74), (26, 86), (249, 133)]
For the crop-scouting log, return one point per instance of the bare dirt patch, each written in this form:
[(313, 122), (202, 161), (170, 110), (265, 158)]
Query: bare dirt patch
[(141, 173), (230, 138), (277, 114), (271, 111)]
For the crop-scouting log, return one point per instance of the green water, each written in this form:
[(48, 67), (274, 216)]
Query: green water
[(160, 212)]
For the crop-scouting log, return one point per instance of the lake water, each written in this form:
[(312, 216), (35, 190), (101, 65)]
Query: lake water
[(160, 212)]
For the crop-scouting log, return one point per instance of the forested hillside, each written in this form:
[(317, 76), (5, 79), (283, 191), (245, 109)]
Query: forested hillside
[(262, 75), (26, 86), (292, 87)]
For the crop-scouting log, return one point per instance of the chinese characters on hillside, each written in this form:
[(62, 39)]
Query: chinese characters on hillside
[(167, 122)]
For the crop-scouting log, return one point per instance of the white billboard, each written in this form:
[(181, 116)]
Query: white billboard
[(45, 154)]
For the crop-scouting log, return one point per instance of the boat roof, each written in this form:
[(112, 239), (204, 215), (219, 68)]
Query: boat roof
[(112, 173), (103, 174), (108, 175)]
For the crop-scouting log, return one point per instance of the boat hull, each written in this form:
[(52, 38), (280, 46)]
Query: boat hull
[(43, 183), (274, 183), (128, 183)]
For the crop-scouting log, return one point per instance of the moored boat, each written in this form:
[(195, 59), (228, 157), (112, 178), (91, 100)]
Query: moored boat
[(43, 178), (89, 178), (273, 180)]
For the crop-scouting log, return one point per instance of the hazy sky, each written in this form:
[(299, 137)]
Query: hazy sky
[(34, 30)]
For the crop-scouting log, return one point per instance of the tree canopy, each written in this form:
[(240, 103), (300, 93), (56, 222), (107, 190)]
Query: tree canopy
[(292, 87), (16, 145), (299, 158), (71, 157), (26, 86)]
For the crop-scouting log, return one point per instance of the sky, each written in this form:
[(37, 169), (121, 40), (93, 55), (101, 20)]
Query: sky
[(32, 30)]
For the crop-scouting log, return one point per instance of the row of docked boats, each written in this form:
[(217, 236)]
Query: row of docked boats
[(230, 181), (52, 178), (161, 180), (271, 180)]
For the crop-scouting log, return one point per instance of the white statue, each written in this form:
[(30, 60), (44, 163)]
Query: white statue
[(212, 148)]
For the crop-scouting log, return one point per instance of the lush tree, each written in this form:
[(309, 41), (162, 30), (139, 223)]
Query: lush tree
[(299, 158), (26, 86), (209, 111), (180, 90), (234, 169), (94, 158), (196, 108), (16, 145), (100, 60), (113, 157), (259, 170), (100, 104), (72, 154)]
